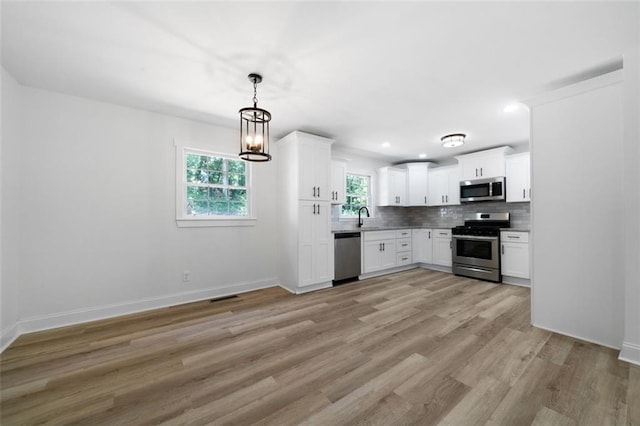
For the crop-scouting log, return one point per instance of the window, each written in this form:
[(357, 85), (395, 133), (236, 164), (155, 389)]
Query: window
[(357, 193), (212, 187)]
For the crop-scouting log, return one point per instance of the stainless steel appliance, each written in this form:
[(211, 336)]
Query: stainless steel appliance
[(476, 246), (490, 189), (347, 256)]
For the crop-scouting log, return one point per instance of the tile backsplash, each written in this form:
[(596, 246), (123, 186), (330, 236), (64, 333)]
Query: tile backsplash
[(435, 217)]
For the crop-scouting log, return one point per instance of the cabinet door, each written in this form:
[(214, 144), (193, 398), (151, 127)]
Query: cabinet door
[(515, 259), (438, 185), (518, 180), (338, 181), (442, 251), (422, 244), (322, 170), (399, 185), (322, 261), (388, 257), (372, 256), (306, 219), (314, 159), (492, 166), (314, 243), (453, 187), (417, 184)]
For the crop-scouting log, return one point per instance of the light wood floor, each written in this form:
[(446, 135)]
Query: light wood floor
[(418, 347)]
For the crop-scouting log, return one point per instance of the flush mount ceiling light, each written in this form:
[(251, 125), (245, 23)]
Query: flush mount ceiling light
[(254, 128), (453, 140)]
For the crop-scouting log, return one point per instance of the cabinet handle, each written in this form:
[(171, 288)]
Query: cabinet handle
[(314, 191), (476, 172), (425, 199), (383, 247), (318, 192), (502, 248), (429, 234), (523, 193), (314, 209), (443, 198), (513, 236), (480, 171), (529, 193), (318, 208), (405, 258), (446, 197), (379, 246)]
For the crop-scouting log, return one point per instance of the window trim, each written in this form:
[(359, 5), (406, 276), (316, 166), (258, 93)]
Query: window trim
[(369, 195), (186, 221)]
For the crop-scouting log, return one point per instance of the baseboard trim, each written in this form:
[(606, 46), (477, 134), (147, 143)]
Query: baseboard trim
[(307, 289), (387, 271), (606, 345), (630, 353), (8, 336), (79, 316), (522, 282)]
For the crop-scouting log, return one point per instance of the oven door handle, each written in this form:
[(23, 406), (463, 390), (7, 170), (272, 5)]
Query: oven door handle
[(474, 237)]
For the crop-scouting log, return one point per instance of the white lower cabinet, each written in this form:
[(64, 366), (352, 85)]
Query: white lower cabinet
[(514, 252), (442, 247), (315, 243), (422, 244), (379, 251), (403, 247)]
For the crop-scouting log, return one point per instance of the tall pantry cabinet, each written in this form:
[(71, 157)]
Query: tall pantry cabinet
[(304, 199)]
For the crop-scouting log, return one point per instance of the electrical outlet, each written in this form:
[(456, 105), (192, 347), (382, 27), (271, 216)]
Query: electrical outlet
[(186, 276)]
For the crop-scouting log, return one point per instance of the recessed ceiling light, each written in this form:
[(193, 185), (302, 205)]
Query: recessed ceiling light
[(511, 107), (386, 144), (423, 155)]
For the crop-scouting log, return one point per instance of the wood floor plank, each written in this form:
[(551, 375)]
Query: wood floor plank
[(416, 347)]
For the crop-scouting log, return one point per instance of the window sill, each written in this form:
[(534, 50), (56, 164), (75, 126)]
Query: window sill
[(203, 222)]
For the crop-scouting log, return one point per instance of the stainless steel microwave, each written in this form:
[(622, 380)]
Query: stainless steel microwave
[(490, 189)]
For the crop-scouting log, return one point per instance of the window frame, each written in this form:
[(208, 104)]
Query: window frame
[(369, 194), (184, 220)]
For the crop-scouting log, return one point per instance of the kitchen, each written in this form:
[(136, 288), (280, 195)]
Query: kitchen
[(94, 122)]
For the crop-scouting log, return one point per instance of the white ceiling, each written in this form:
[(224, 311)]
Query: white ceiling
[(362, 72)]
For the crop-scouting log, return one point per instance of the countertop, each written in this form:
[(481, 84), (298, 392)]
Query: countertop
[(394, 228)]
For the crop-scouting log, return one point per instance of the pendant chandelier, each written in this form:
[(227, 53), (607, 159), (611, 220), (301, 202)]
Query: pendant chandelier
[(254, 128), (453, 140)]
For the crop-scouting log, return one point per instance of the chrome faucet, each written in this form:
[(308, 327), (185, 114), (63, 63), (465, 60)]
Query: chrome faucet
[(360, 221)]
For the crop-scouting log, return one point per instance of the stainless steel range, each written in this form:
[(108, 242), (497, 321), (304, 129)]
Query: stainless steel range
[(476, 246)]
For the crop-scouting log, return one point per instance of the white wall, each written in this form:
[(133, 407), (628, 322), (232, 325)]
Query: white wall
[(577, 234), (631, 343), (9, 216), (96, 234)]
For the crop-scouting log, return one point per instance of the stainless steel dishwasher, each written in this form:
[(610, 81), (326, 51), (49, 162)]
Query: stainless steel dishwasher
[(347, 255)]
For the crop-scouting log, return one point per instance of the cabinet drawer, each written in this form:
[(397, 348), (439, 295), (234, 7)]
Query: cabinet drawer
[(442, 233), (379, 235), (403, 233), (514, 237), (403, 244), (404, 259)]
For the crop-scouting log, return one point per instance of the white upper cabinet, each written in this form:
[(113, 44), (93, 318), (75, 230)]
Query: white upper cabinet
[(417, 184), (392, 186), (444, 186), (314, 157), (518, 177), (483, 164), (338, 181)]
